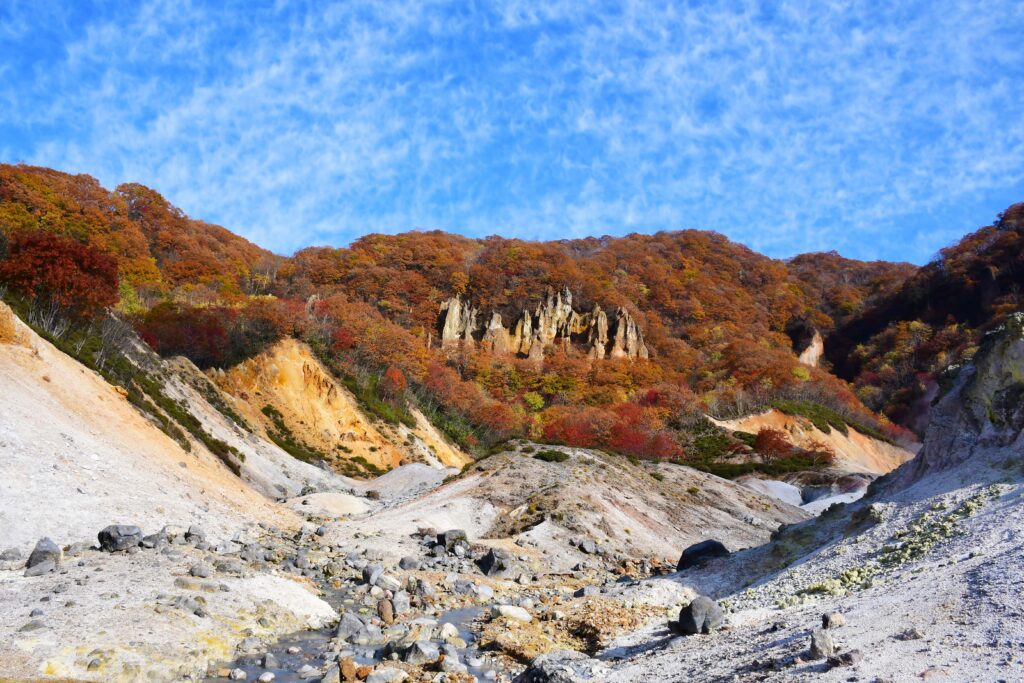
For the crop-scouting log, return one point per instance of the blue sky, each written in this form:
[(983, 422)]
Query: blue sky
[(881, 130)]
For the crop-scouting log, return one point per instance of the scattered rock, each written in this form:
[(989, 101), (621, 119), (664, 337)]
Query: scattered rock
[(563, 666), (195, 535), (421, 652), (371, 573), (588, 546), (10, 555), (912, 633), (495, 562), (120, 537), (386, 675), (511, 612), (409, 563), (41, 568), (449, 538), (386, 611), (448, 632), (699, 553), (45, 551), (238, 675), (850, 658), (201, 571), (822, 645), (702, 615), (832, 620)]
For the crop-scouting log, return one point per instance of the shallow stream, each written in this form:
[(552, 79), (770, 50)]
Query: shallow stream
[(315, 648)]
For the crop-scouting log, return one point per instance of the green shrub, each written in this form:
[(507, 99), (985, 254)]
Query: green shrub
[(552, 456)]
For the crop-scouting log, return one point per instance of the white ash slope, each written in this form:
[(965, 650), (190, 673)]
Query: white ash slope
[(75, 456), (928, 569), (534, 507)]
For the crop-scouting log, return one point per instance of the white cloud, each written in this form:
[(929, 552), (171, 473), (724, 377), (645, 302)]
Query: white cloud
[(789, 126)]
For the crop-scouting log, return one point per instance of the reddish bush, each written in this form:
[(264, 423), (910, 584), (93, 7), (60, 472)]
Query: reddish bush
[(772, 443), (392, 384)]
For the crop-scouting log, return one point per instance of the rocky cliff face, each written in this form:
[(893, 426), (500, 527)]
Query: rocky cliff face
[(814, 351), (983, 411), (554, 322)]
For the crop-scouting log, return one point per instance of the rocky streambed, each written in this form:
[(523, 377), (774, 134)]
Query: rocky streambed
[(163, 606), (459, 612)]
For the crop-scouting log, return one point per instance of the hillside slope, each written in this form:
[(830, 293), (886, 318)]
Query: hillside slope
[(926, 569), (319, 412), (77, 457), (896, 350), (629, 510), (855, 452)]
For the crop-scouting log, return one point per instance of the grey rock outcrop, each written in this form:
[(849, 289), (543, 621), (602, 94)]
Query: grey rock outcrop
[(460, 323), (563, 666), (981, 413), (554, 322)]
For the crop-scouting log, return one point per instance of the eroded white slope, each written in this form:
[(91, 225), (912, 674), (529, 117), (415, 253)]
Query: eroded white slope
[(76, 456)]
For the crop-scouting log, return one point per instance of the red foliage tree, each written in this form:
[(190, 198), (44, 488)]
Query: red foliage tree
[(199, 334), (53, 269), (772, 443), (392, 384)]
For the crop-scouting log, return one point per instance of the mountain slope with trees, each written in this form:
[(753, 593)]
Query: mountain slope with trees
[(724, 325)]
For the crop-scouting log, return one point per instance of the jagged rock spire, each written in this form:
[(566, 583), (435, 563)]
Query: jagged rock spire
[(554, 321)]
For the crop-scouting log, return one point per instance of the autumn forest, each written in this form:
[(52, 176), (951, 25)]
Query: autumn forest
[(724, 325)]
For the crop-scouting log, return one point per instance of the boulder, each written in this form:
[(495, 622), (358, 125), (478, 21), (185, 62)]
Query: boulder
[(386, 611), (401, 602), (332, 675), (822, 645), (511, 612), (386, 674), (371, 573), (495, 562), (44, 567), (421, 652), (449, 538), (699, 553), (702, 615), (45, 550), (832, 620), (388, 583), (349, 625), (120, 537)]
